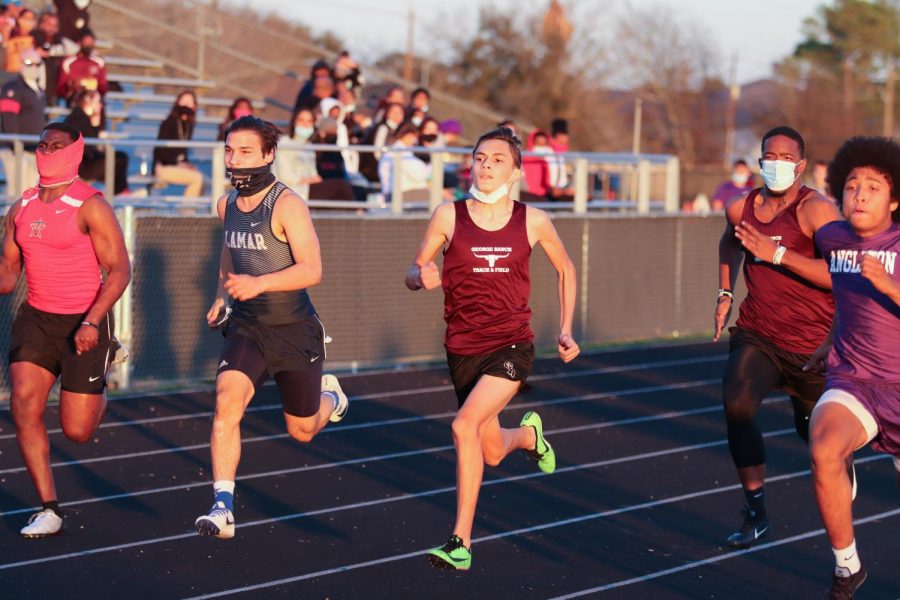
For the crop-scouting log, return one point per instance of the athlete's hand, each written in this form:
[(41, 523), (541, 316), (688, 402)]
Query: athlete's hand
[(723, 313), (86, 339), (568, 348), (212, 315), (759, 245), (817, 359), (430, 276), (243, 287), (873, 270)]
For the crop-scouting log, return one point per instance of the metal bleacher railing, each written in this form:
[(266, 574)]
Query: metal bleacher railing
[(646, 182)]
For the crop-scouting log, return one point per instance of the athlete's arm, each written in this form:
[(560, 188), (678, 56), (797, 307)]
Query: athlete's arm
[(730, 258), (541, 231), (291, 218), (225, 267), (100, 223), (11, 260), (423, 272), (815, 212)]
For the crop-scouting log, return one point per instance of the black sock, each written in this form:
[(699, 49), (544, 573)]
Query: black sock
[(756, 500), (52, 505)]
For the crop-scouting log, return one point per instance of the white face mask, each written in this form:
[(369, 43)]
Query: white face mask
[(778, 174), (492, 197), (740, 179), (303, 133)]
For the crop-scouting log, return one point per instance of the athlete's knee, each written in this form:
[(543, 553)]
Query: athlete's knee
[(302, 432), (826, 452), (465, 429), (740, 401), (26, 409), (78, 432)]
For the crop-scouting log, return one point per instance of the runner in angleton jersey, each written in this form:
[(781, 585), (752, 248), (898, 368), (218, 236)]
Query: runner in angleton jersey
[(63, 232), (487, 242), (785, 316), (861, 404), (269, 259)]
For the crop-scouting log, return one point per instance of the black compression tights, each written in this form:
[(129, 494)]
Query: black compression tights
[(749, 375)]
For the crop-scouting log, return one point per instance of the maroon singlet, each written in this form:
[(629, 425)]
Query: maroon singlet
[(781, 306), (486, 285)]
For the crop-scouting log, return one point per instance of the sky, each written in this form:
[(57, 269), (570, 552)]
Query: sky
[(760, 32)]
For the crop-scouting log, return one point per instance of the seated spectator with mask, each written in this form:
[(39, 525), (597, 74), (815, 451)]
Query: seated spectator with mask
[(88, 118), (84, 71), (241, 107), (171, 164), (415, 173)]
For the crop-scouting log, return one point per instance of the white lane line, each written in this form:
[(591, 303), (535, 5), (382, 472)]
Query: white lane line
[(383, 457), (428, 493), (425, 390), (374, 424), (720, 557), (524, 530)]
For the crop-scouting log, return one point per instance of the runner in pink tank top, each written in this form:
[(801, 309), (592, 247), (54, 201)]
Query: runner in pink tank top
[(487, 243), (785, 316), (63, 232)]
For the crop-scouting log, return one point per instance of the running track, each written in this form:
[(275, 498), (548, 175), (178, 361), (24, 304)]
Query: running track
[(642, 498)]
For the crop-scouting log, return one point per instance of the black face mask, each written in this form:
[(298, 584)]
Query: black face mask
[(186, 111), (87, 50), (428, 138), (251, 180)]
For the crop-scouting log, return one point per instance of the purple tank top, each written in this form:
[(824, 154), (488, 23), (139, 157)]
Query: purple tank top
[(867, 339), (781, 306), (486, 284)]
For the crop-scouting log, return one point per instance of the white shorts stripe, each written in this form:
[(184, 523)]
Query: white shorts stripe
[(849, 401)]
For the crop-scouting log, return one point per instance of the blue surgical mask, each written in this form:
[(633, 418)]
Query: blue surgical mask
[(778, 174), (303, 133)]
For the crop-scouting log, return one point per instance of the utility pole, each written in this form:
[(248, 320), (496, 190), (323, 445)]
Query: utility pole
[(889, 85), (636, 133), (410, 29), (734, 93)]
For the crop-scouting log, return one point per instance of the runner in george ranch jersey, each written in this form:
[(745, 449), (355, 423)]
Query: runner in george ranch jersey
[(487, 243)]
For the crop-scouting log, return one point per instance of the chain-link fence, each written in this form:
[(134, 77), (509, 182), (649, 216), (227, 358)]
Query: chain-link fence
[(638, 278)]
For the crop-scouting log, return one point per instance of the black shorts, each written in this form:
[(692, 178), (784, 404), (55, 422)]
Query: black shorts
[(805, 385), (292, 354), (510, 362), (48, 340)]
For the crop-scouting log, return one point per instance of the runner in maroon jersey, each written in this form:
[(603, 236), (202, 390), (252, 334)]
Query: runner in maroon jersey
[(785, 316), (62, 231), (487, 242)]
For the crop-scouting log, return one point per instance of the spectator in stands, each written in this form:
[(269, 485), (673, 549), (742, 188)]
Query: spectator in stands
[(415, 172), (395, 95), (84, 71), (323, 87), (429, 137), (819, 180), (346, 71), (73, 17), (536, 185), (357, 123), (21, 38), (54, 47), (88, 117), (380, 136), (418, 106), (333, 109), (9, 11), (171, 164), (22, 108), (740, 184), (241, 107), (330, 165), (319, 69), (559, 135), (296, 167), (560, 188)]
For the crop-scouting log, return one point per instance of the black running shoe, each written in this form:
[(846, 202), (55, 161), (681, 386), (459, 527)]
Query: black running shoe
[(843, 588), (754, 527)]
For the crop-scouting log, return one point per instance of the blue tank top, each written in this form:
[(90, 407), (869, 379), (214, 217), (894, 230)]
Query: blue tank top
[(256, 250)]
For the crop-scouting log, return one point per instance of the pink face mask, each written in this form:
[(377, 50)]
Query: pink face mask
[(61, 166), (242, 112)]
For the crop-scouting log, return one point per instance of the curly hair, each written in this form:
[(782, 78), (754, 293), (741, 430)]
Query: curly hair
[(879, 153)]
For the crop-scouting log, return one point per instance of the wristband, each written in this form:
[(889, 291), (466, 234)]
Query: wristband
[(779, 254), (89, 324), (725, 293)]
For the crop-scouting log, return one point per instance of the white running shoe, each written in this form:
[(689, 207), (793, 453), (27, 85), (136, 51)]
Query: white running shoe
[(330, 384), (219, 522), (42, 524)]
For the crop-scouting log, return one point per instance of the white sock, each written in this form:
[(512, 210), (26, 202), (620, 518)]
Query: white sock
[(334, 398), (223, 485), (846, 561)]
